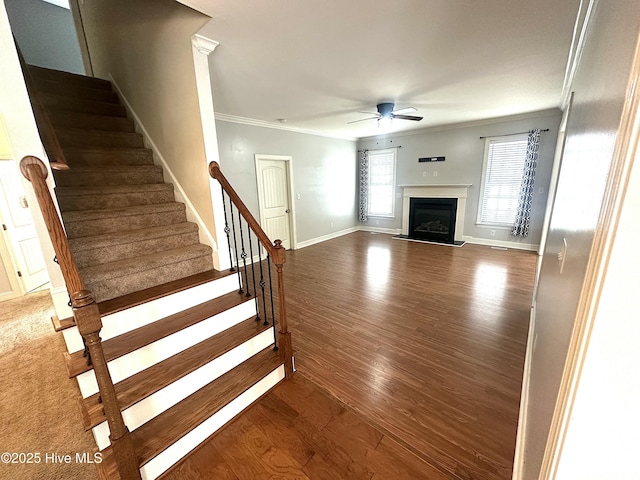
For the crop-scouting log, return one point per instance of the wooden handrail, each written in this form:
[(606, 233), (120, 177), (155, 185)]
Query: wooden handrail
[(277, 253), (87, 316), (48, 135), (271, 248)]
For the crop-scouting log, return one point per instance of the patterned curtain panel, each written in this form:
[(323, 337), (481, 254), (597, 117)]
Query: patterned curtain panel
[(523, 217), (363, 185)]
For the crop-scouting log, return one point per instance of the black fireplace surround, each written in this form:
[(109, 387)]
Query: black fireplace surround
[(433, 219)]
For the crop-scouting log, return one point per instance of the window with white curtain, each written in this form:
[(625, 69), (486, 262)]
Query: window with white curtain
[(504, 160), (382, 180)]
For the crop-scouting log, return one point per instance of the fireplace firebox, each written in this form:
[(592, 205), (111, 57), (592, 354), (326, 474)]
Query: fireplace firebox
[(433, 219)]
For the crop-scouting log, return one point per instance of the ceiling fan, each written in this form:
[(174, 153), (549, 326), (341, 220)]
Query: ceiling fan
[(386, 113)]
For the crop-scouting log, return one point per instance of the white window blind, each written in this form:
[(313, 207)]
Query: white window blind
[(382, 173), (504, 161)]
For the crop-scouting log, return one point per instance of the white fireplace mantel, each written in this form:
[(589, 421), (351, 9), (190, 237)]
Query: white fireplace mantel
[(458, 191)]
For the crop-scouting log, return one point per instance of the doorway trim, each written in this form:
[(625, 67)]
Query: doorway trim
[(290, 191)]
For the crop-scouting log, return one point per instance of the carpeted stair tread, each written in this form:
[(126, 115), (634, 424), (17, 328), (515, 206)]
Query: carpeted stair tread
[(108, 156), (83, 223), (84, 91), (140, 264), (79, 215), (162, 431), (141, 385), (128, 342), (130, 236), (160, 268), (108, 175), (113, 196), (62, 118), (60, 102), (101, 249), (79, 137), (43, 73)]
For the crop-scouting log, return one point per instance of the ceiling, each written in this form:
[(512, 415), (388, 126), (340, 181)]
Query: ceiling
[(315, 64)]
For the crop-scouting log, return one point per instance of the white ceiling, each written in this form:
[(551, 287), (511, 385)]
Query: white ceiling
[(317, 63)]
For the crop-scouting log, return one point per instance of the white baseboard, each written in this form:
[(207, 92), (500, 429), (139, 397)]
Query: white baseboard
[(501, 243), (324, 238), (205, 235), (518, 460)]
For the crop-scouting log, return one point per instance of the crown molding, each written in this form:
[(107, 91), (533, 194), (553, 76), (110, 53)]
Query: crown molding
[(203, 44), (223, 117), (551, 112)]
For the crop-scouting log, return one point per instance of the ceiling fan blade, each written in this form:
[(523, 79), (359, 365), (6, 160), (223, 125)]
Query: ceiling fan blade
[(407, 117), (363, 119), (370, 113), (404, 111)]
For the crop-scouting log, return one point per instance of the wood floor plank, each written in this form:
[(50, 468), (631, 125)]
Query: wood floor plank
[(425, 341), (423, 344)]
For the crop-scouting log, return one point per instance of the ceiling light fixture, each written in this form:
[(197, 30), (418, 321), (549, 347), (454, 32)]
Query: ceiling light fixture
[(384, 121)]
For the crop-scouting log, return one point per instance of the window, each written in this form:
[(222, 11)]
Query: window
[(504, 160), (382, 180)]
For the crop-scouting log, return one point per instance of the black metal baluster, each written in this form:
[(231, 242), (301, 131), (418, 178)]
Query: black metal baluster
[(86, 354), (235, 246), (273, 313), (227, 229), (244, 257), (253, 275), (262, 285)]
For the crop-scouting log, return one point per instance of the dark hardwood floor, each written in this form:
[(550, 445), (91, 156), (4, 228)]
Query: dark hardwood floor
[(423, 344)]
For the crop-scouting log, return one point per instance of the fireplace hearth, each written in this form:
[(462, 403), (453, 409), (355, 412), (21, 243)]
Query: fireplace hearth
[(432, 219)]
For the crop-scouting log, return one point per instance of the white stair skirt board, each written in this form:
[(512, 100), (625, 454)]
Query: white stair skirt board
[(160, 464), (140, 315), (138, 360), (172, 394)]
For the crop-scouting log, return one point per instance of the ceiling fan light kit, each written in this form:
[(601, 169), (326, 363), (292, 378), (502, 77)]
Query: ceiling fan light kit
[(386, 114)]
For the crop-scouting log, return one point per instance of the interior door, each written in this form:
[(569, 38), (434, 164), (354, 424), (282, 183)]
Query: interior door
[(18, 228), (273, 192)]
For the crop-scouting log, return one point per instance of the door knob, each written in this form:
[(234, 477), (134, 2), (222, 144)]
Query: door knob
[(287, 210)]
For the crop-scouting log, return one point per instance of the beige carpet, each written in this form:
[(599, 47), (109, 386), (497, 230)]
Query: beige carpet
[(38, 408)]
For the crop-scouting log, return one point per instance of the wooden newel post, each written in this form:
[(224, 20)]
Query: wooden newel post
[(89, 322), (87, 316), (284, 335)]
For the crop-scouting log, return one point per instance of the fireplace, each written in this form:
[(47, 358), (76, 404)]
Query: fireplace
[(433, 219)]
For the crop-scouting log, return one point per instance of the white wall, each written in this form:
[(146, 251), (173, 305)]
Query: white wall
[(145, 46), (25, 140), (603, 435), (46, 34), (600, 89), (463, 149), (324, 172)]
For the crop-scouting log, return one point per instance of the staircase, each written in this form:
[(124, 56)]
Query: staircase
[(180, 340), (125, 229)]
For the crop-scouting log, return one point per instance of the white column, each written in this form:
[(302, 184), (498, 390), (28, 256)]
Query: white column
[(202, 47)]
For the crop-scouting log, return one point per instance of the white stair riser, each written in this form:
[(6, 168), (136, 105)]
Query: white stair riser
[(160, 464), (154, 405), (141, 315), (136, 361)]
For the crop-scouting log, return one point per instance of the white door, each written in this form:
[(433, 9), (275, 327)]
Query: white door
[(273, 196), (18, 228)]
